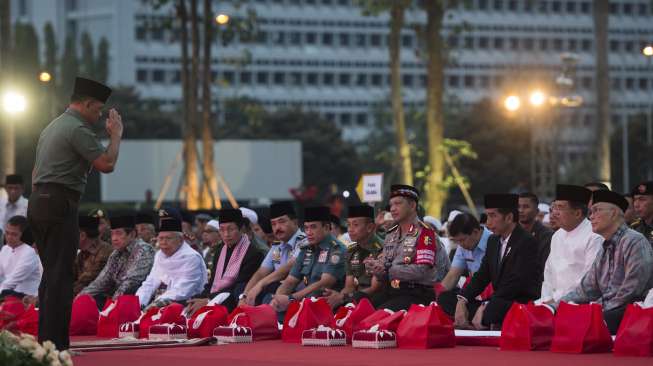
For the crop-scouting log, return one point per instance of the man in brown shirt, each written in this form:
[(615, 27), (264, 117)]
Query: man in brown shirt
[(93, 253)]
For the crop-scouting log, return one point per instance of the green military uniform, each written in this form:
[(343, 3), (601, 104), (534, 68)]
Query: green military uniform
[(356, 254), (640, 225), (326, 257)]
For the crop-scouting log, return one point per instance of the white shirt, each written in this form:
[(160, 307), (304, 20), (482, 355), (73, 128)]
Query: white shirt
[(504, 244), (572, 254), (9, 210), (20, 269), (183, 273)]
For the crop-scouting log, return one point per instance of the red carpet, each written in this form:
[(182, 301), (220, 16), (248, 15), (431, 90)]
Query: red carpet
[(283, 354)]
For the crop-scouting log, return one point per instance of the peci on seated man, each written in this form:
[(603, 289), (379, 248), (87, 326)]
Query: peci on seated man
[(621, 273), (178, 268), (236, 259)]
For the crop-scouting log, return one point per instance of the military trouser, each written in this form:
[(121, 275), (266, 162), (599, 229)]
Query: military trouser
[(403, 298), (52, 215)]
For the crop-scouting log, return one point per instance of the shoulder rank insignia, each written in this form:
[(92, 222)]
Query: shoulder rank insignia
[(394, 228)]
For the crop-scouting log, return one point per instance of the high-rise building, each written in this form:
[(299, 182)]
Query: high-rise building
[(325, 56)]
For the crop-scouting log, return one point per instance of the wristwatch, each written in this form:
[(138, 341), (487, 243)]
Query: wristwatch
[(242, 296), (291, 298)]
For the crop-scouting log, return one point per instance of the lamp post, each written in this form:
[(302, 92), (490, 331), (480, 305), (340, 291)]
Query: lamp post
[(13, 103), (648, 53)]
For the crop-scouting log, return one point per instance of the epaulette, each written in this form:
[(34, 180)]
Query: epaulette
[(636, 222), (394, 228), (352, 247)]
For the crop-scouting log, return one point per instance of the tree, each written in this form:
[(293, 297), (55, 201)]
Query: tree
[(102, 62), (209, 182), (396, 9), (69, 66), (50, 61), (87, 66), (602, 70), (639, 153)]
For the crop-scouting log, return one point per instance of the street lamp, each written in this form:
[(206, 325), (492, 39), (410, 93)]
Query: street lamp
[(648, 51), (512, 103), (45, 77), (14, 102), (222, 19), (537, 98)]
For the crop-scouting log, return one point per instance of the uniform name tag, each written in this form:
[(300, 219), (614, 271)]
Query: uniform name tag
[(323, 256)]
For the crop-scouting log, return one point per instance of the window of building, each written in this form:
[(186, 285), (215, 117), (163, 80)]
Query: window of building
[(262, 77), (176, 77), (141, 76), (643, 83), (556, 7), (514, 43), (616, 83), (557, 44), (246, 77), (345, 119), (544, 44), (586, 45), (573, 45), (585, 7), (528, 6), (361, 40), (571, 7), (296, 78), (344, 39), (498, 5), (375, 40), (498, 80), (483, 42), (629, 46), (344, 79), (377, 79), (361, 119), (642, 10), (543, 6), (528, 44), (361, 80), (407, 80), (406, 40), (482, 4), (484, 81), (587, 82), (512, 5), (614, 8), (311, 38), (614, 45), (279, 38), (628, 9), (279, 78), (327, 78), (156, 34), (630, 83), (295, 38), (452, 41), (158, 76), (141, 33), (311, 78), (454, 81), (469, 81), (469, 42), (229, 77), (327, 39), (498, 43)]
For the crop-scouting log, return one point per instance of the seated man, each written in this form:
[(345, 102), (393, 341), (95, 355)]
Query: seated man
[(509, 264), (413, 258), (145, 229), (93, 253), (13, 204), (20, 267), (128, 265), (471, 240), (319, 265), (366, 245), (235, 262), (643, 205), (177, 266), (210, 241), (278, 262), (573, 247), (621, 273)]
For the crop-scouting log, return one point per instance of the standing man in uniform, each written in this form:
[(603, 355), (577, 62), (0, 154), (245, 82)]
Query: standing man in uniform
[(413, 258), (67, 150), (320, 265), (279, 260), (366, 245), (528, 203), (509, 264), (643, 203)]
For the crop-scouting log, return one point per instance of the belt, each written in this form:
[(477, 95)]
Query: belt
[(397, 284), (70, 193)]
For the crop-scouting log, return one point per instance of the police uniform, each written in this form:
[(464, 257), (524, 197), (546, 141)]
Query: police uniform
[(640, 225), (65, 152), (328, 256), (410, 264)]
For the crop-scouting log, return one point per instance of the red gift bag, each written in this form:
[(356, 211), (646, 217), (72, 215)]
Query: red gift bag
[(382, 319), (527, 328), (425, 327), (205, 320), (171, 314), (580, 329), (10, 309), (350, 315), (28, 322), (635, 334), (262, 320), (116, 312), (84, 317), (303, 315)]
